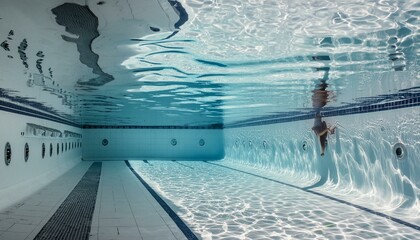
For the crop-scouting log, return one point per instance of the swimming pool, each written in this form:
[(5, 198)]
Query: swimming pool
[(210, 119), (270, 186)]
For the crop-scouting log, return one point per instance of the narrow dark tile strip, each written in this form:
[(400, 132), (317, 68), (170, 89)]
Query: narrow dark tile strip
[(178, 221), (14, 108), (73, 218), (397, 220), (175, 161)]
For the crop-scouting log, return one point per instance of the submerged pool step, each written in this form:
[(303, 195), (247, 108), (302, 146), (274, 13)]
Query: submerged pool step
[(73, 218)]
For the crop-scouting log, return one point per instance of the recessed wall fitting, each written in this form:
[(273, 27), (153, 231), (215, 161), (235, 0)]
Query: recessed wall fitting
[(43, 150), (304, 146), (174, 142), (7, 154), (399, 151)]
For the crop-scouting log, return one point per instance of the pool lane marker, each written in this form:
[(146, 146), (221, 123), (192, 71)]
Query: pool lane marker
[(397, 220), (175, 161), (178, 221)]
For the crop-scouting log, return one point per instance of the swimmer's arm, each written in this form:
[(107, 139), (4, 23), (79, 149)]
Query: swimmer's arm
[(331, 129), (322, 133)]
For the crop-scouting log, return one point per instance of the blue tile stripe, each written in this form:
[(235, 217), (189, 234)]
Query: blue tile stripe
[(182, 226), (18, 109), (397, 220), (211, 126), (328, 112)]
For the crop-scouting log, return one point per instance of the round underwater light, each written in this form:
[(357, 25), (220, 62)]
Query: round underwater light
[(174, 142), (201, 142), (399, 151), (105, 142)]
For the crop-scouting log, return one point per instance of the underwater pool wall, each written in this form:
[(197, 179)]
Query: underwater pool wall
[(20, 178), (152, 143), (360, 157)]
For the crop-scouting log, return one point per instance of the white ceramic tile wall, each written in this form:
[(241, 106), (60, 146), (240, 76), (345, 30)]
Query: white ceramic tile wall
[(20, 179), (359, 155), (126, 144)]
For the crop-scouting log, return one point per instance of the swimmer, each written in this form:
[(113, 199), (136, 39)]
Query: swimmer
[(321, 130)]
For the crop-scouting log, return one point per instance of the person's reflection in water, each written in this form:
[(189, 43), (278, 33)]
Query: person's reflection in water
[(320, 98)]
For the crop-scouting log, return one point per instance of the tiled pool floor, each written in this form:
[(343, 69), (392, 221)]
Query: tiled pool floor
[(216, 200), (124, 208), (221, 201)]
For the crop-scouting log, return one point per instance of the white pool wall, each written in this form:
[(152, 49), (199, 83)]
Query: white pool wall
[(359, 157), (147, 144), (20, 179)]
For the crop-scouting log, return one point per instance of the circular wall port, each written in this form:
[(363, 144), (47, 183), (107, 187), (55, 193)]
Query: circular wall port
[(104, 142), (51, 149), (399, 151), (62, 147), (58, 148), (26, 152), (7, 154), (174, 142), (43, 150), (265, 144), (201, 142), (304, 146)]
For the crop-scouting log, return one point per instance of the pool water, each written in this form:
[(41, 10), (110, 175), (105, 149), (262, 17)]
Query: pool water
[(240, 89)]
